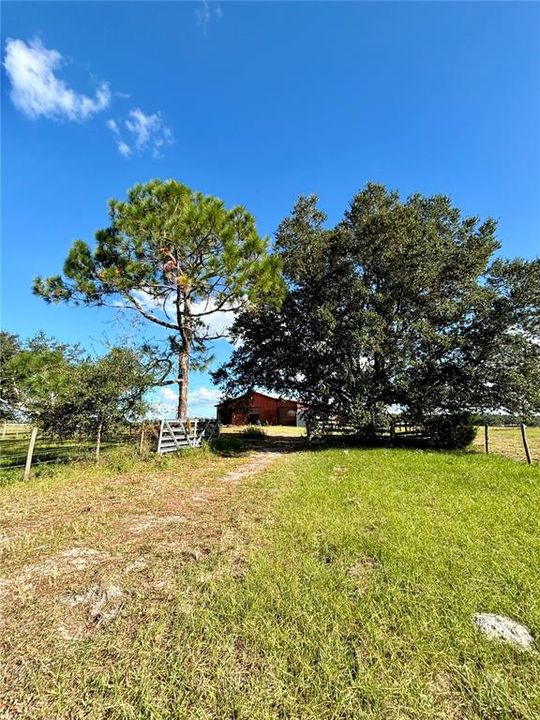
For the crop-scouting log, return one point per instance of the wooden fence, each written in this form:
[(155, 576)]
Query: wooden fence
[(14, 430), (334, 427), (22, 446)]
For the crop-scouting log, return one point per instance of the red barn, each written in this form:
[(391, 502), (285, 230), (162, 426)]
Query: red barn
[(255, 407)]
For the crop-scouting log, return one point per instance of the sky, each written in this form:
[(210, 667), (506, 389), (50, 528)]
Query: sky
[(256, 103)]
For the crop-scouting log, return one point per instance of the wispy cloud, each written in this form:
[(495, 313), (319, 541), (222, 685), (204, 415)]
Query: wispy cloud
[(149, 131), (141, 132), (201, 401), (206, 11), (123, 147), (37, 91)]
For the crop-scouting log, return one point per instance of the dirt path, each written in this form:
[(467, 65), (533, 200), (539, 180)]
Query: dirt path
[(74, 556), (258, 461)]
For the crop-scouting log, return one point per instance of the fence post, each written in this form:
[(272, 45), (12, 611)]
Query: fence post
[(29, 454), (525, 443), (486, 437), (141, 445), (98, 443)]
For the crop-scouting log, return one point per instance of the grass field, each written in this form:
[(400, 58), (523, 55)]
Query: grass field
[(270, 430), (324, 584), (503, 440)]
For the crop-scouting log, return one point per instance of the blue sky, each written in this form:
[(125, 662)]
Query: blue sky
[(256, 103)]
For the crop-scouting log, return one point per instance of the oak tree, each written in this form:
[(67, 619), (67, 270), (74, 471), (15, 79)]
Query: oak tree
[(402, 307)]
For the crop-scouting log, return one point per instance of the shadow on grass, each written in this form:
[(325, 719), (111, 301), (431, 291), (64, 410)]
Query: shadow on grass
[(237, 443), (228, 446)]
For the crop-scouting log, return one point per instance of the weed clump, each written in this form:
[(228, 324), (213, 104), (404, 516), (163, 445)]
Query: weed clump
[(253, 432)]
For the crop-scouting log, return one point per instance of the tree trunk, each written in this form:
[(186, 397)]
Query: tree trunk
[(98, 441), (184, 319), (183, 378)]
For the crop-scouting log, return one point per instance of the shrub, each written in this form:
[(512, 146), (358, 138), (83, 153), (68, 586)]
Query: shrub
[(451, 432), (253, 432)]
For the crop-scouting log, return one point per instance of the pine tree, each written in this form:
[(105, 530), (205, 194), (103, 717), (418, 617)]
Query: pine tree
[(175, 257)]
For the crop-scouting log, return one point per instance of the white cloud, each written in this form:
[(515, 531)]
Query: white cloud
[(141, 125), (201, 402), (204, 396), (123, 147), (168, 394), (38, 92), (145, 132), (217, 323), (149, 130), (206, 11)]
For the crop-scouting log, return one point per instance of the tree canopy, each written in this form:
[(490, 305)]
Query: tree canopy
[(402, 307), (32, 374), (101, 393), (66, 391), (175, 257)]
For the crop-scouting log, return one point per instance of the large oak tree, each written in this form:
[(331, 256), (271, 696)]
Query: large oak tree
[(175, 257), (403, 305)]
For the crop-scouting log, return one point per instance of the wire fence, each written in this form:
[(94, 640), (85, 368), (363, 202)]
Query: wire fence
[(47, 448), (514, 441)]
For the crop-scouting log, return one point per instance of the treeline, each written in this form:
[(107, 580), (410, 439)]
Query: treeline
[(404, 306), (67, 392), (501, 420)]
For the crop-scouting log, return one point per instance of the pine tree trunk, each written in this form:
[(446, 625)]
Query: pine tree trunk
[(183, 315), (183, 376)]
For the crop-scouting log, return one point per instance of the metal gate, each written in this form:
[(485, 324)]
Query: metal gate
[(188, 432)]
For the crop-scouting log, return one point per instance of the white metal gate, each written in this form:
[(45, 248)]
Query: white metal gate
[(187, 432)]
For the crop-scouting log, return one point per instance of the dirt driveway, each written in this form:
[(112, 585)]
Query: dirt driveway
[(75, 552)]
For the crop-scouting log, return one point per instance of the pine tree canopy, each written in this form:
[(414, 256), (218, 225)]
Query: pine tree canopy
[(174, 256)]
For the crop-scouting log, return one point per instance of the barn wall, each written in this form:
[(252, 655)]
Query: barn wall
[(269, 410)]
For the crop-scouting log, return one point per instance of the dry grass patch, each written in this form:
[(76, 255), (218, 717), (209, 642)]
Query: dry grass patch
[(87, 548), (334, 585), (269, 430)]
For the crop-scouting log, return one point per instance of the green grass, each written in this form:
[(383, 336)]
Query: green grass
[(340, 584), (360, 602)]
